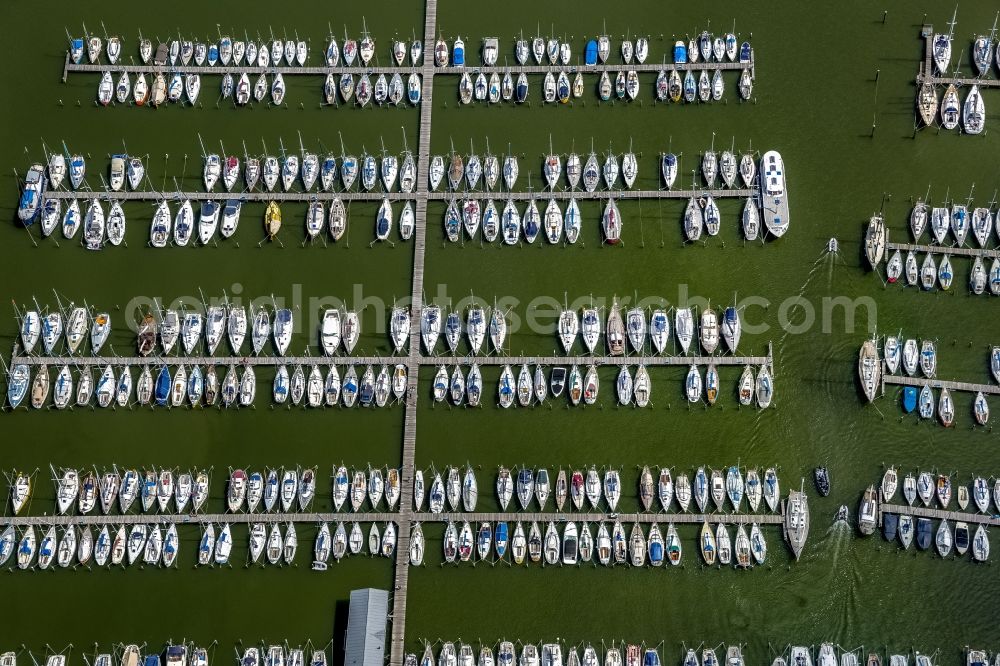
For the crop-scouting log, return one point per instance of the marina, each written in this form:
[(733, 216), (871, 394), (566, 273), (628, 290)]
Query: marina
[(929, 74), (818, 571), (328, 209), (726, 53), (964, 224), (878, 365)]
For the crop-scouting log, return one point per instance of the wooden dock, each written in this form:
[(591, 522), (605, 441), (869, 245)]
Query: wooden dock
[(971, 252), (261, 197), (117, 361), (927, 67), (403, 516), (236, 70), (600, 68), (920, 382), (98, 519), (599, 195), (939, 514), (644, 518), (413, 361), (404, 70), (421, 195), (648, 361), (397, 644)]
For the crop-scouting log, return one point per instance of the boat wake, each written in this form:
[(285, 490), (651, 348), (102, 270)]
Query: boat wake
[(839, 537), (831, 258), (817, 265)]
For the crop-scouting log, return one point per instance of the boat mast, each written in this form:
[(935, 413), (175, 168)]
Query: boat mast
[(343, 152)]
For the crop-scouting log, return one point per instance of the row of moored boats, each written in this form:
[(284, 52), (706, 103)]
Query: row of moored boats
[(908, 528), (246, 52), (577, 544), (582, 385), (282, 490), (630, 654), (190, 385), (908, 356), (451, 490), (704, 47), (930, 273), (156, 545), (181, 654), (178, 88), (623, 85)]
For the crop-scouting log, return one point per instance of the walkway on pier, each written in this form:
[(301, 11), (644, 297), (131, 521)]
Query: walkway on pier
[(920, 382), (221, 70), (427, 69), (610, 68), (601, 360), (421, 195), (594, 517), (397, 646), (939, 514), (928, 68), (600, 195), (943, 249), (402, 518), (262, 197), (412, 361)]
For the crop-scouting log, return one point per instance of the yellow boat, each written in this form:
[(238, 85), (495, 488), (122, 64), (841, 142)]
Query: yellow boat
[(272, 220)]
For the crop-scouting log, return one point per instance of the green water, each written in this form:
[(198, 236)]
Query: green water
[(818, 69)]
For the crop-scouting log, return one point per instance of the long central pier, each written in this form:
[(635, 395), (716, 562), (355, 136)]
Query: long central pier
[(99, 520), (397, 645), (420, 195), (426, 69), (412, 361), (403, 517)]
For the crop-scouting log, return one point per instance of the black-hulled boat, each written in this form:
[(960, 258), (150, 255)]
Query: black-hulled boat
[(822, 477)]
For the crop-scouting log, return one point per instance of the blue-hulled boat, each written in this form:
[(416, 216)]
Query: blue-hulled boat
[(500, 539), (17, 384), (562, 90), (530, 228), (31, 196), (651, 658), (522, 88), (590, 53), (745, 52), (458, 53), (889, 523), (152, 660), (680, 52), (690, 87), (923, 533), (909, 399), (76, 50), (656, 559), (162, 390)]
